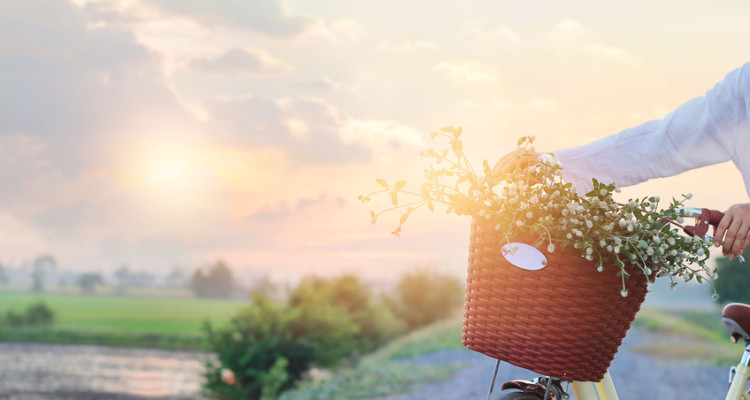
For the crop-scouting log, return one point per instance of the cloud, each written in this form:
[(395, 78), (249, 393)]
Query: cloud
[(408, 47), (310, 130), (568, 30), (323, 84), (488, 30), (238, 61), (268, 17), (472, 71), (307, 129)]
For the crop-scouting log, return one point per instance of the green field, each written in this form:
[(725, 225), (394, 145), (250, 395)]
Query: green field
[(120, 318)]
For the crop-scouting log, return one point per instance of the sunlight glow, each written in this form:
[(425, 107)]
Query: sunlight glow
[(167, 171)]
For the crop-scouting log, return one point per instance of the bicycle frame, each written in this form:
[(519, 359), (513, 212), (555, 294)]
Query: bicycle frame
[(738, 378)]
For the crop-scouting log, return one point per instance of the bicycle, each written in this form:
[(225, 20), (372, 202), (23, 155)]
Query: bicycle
[(736, 318)]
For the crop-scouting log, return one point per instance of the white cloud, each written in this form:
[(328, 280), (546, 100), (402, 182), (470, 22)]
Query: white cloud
[(487, 30), (568, 30), (469, 70), (239, 61), (269, 17), (408, 47)]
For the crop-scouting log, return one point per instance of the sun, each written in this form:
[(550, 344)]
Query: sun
[(166, 172)]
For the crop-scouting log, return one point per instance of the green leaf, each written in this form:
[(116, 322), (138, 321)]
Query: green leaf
[(643, 244)]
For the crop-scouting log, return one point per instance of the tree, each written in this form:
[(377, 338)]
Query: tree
[(424, 296), (42, 265), (216, 280), (89, 281), (733, 280)]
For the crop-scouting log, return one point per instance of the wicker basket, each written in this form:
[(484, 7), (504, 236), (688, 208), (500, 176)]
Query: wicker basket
[(565, 320)]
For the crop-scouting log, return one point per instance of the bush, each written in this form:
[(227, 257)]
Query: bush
[(424, 296), (37, 314), (374, 321), (733, 280), (268, 346)]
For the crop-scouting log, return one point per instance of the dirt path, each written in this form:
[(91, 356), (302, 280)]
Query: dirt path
[(638, 377)]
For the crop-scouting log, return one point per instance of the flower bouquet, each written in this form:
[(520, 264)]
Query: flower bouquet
[(595, 258)]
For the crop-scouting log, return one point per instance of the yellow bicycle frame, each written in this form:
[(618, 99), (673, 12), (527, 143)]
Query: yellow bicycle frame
[(737, 389)]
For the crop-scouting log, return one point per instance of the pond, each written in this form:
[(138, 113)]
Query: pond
[(67, 372)]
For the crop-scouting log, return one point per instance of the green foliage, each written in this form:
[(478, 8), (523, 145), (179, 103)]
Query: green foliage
[(375, 322), (733, 281), (253, 343), (269, 345), (424, 296), (36, 314), (216, 280)]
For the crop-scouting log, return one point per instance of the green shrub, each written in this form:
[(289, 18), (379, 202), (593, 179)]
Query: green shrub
[(424, 296), (266, 339), (268, 346), (36, 314)]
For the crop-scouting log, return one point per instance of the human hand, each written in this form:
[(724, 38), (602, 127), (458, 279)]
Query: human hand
[(516, 158), (733, 232)]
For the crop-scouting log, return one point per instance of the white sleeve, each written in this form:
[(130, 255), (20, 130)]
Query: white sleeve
[(701, 132)]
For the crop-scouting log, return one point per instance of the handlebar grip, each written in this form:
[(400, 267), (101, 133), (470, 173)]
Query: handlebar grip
[(714, 217), (707, 217)]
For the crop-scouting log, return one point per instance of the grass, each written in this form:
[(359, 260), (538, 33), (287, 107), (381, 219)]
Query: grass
[(165, 322), (704, 338), (390, 370)]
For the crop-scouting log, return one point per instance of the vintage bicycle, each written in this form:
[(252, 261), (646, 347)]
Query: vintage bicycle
[(735, 316)]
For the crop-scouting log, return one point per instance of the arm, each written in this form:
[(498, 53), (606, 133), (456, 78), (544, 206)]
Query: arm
[(701, 132)]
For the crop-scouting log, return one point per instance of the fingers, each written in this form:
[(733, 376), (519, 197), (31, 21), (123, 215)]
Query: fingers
[(510, 161), (733, 230)]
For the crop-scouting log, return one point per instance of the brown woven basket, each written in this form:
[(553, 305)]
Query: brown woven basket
[(566, 320)]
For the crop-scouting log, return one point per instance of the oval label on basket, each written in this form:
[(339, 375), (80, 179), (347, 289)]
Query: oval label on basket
[(524, 256)]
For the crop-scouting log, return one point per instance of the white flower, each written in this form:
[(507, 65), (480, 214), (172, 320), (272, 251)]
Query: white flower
[(714, 297), (482, 213), (551, 248), (630, 228), (673, 253), (579, 233), (657, 239), (589, 257), (589, 224), (671, 241), (650, 251), (624, 293), (649, 287), (519, 223), (498, 227), (603, 192), (529, 215), (579, 209), (688, 196), (569, 236), (621, 222), (617, 249), (631, 203), (600, 268), (602, 243), (688, 239), (589, 250)]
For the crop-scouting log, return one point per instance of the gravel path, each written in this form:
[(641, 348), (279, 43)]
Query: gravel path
[(638, 377)]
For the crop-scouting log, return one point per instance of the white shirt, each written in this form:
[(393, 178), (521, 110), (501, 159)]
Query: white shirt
[(706, 130)]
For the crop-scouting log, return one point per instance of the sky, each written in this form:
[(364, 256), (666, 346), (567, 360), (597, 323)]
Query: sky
[(155, 133)]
